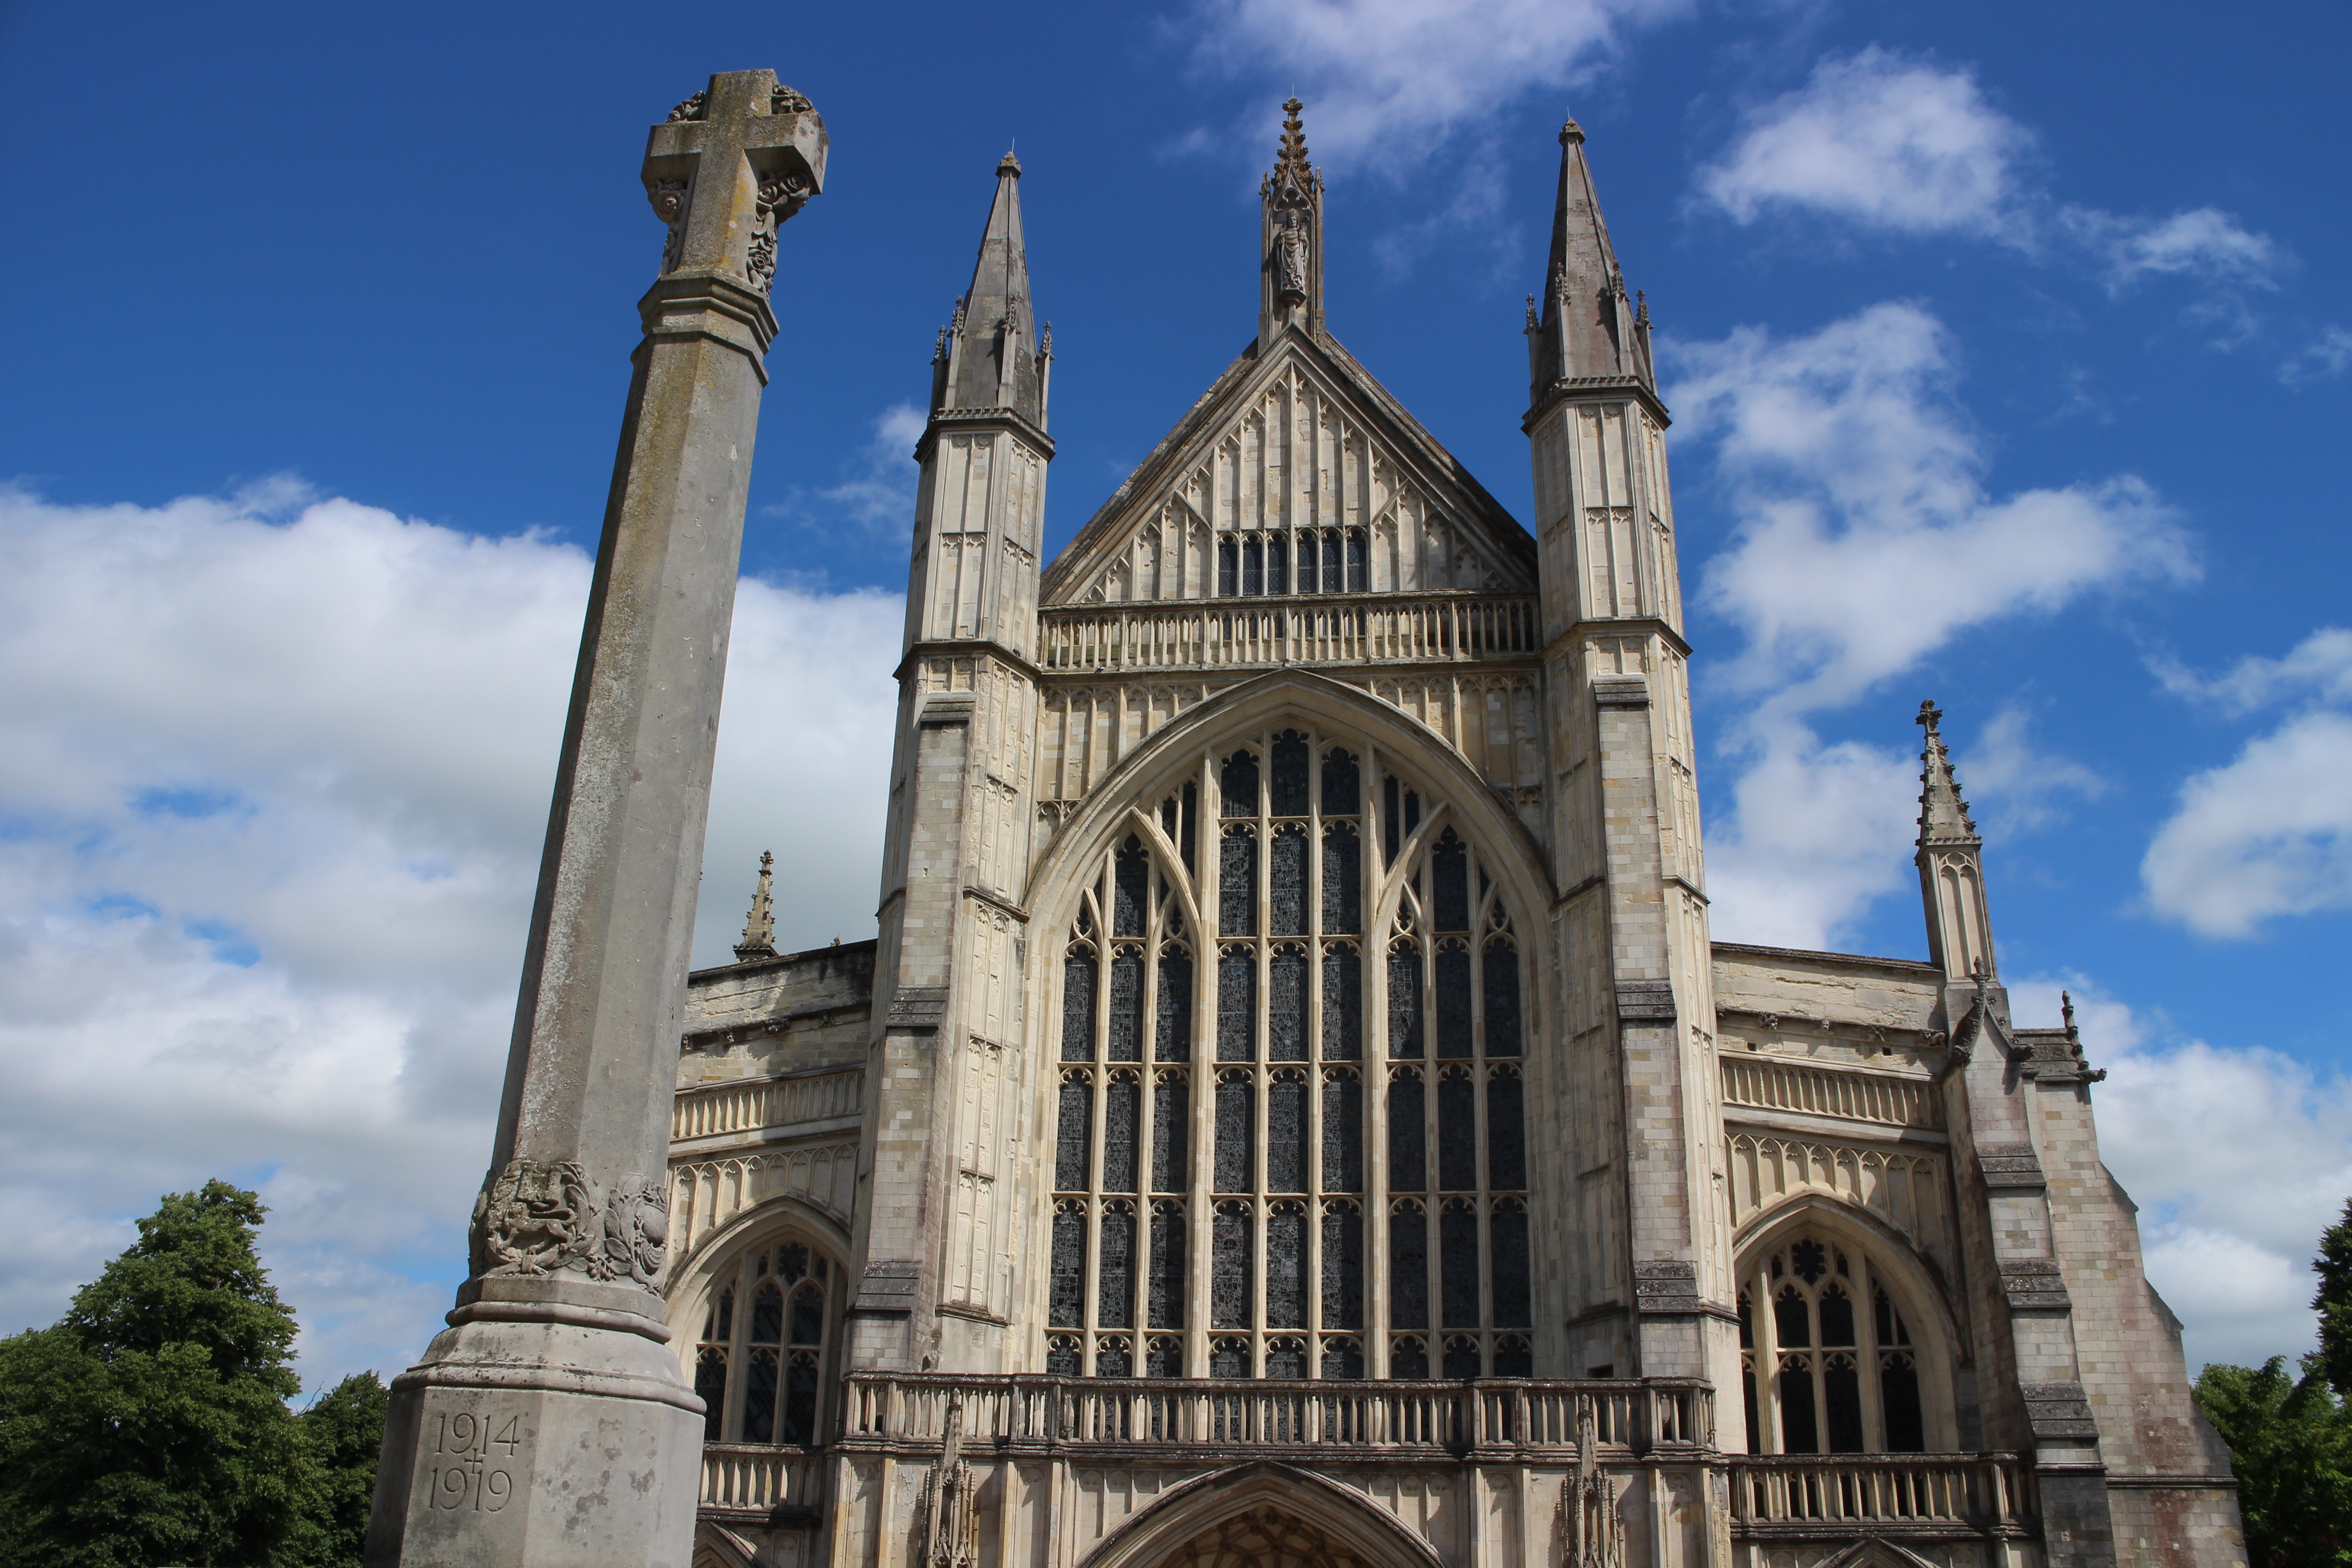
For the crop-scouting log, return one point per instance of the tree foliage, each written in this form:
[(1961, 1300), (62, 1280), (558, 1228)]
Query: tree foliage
[(2334, 1267), (2291, 1446), (150, 1426)]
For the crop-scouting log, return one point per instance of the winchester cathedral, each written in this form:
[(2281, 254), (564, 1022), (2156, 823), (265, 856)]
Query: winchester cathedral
[(1294, 1116)]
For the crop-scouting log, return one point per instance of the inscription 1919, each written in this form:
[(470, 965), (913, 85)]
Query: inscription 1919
[(470, 1444)]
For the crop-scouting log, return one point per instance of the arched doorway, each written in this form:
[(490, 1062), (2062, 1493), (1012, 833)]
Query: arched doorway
[(1265, 1537)]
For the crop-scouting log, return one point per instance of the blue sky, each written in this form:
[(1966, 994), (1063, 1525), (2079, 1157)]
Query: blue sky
[(2011, 351)]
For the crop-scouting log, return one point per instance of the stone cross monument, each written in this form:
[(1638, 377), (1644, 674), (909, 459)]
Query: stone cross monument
[(548, 1424)]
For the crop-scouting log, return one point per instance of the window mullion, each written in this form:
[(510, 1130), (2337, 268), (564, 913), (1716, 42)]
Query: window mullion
[(1866, 1334), (1768, 1358)]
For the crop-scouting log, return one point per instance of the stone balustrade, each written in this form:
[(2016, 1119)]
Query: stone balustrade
[(744, 1478), (1942, 1494), (1321, 1419), (1855, 1095), (1220, 633), (747, 1106)]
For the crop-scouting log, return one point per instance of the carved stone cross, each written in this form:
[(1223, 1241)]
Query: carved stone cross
[(733, 162)]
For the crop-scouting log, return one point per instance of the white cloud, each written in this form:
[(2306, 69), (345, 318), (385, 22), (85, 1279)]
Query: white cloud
[(1889, 144), (1387, 82), (1866, 540), (2325, 357), (1881, 141), (2022, 780), (274, 772), (877, 492), (2319, 666), (2267, 833), (2238, 1158)]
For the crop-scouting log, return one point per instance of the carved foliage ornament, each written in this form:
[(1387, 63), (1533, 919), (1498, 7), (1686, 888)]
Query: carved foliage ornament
[(538, 1219)]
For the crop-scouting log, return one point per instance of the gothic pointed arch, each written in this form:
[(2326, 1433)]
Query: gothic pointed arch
[(1849, 1343), (1292, 1026), (1276, 1504)]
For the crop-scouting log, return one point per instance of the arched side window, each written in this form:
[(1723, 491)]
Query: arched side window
[(1827, 1363), (761, 1365), (1257, 1119)]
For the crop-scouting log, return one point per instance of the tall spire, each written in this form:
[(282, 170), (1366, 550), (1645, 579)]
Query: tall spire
[(1590, 327), (760, 926), (992, 359), (1291, 256), (1943, 814)]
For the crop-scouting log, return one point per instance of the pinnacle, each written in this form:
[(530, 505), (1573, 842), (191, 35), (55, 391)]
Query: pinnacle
[(760, 925), (1943, 811)]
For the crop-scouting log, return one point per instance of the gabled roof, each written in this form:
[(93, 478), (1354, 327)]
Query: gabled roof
[(1402, 447)]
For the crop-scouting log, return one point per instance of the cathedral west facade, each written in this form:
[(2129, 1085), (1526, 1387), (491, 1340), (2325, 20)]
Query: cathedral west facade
[(1294, 1111)]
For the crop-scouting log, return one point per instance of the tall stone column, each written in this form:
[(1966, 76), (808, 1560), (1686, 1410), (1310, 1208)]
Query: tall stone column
[(549, 1423)]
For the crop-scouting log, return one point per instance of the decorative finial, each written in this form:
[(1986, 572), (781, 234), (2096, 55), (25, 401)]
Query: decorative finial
[(1008, 164), (1570, 133), (2066, 1011), (1533, 325), (1640, 307), (1045, 342), (939, 348), (1930, 715), (1293, 160), (760, 926)]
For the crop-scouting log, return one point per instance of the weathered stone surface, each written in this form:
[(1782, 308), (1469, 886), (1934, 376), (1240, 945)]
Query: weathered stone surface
[(548, 1425)]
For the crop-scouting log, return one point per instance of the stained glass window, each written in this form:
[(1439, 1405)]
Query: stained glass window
[(1458, 1264), (1335, 577), (1286, 1003), (1253, 567), (1166, 1306), (1229, 1267), (1078, 1007), (1235, 1114), (1287, 906), (1343, 1266), (1237, 881), (1457, 1133), (1404, 999), (1295, 1004), (710, 1387), (1307, 554), (1356, 572), (1172, 1131), (1114, 1306), (1829, 1366), (1343, 1003), (1408, 1138), (1286, 1133), (1127, 1004), (1286, 1267), (1122, 1123), (1343, 1131), (783, 1347), (1073, 1134), (1229, 560), (1173, 1023)]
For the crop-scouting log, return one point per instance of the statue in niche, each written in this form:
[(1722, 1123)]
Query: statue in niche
[(1290, 260)]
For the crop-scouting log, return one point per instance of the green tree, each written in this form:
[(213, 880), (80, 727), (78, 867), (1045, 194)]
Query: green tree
[(344, 1428), (2334, 1267), (149, 1427), (2291, 1446)]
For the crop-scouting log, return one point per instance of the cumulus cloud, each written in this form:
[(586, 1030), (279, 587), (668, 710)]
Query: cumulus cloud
[(2269, 832), (1880, 141), (2239, 1157), (1885, 144), (2017, 783), (275, 770), (1866, 539), (1387, 82)]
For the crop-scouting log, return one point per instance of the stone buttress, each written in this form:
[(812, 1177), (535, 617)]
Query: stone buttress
[(936, 1216), (1650, 1281)]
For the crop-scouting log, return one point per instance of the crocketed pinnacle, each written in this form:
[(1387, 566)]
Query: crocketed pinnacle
[(1943, 812), (1588, 328), (991, 349), (1291, 161), (760, 926)]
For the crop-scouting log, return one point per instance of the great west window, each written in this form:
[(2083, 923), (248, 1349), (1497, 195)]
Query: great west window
[(1290, 1138)]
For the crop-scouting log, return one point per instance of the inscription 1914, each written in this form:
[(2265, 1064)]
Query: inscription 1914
[(469, 1445)]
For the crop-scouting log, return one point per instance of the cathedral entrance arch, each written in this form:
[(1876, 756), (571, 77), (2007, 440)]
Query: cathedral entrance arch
[(1264, 1515)]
